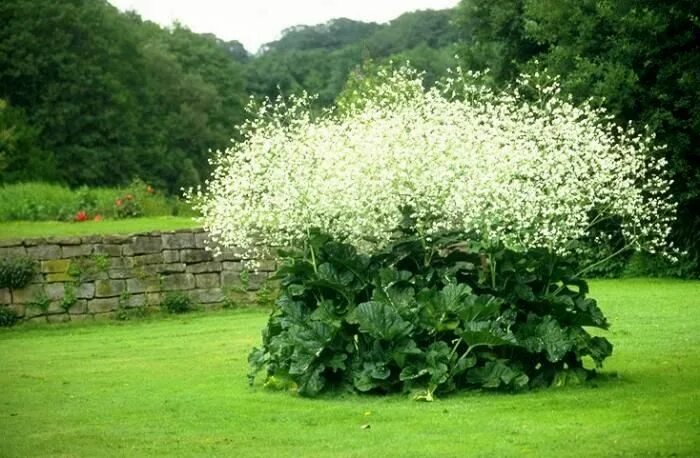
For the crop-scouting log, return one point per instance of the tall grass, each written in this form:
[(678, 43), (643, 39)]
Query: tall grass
[(50, 202)]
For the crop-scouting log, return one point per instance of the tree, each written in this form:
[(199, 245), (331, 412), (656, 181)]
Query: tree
[(640, 59), (20, 156), (318, 59), (112, 97)]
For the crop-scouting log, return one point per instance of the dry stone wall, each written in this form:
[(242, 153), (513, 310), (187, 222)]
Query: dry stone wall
[(89, 277)]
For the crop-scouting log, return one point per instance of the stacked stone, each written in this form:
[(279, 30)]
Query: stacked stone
[(85, 277)]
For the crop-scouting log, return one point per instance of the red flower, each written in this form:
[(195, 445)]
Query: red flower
[(81, 216), (97, 218)]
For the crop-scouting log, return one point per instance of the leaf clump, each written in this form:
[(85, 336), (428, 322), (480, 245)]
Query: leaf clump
[(427, 318)]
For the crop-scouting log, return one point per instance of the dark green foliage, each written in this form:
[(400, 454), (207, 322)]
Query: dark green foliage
[(318, 59), (92, 96), (16, 272), (8, 317), (110, 96), (428, 318), (333, 34), (20, 156), (177, 303), (639, 59)]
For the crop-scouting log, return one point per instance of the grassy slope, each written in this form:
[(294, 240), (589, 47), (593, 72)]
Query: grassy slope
[(177, 387), (29, 229)]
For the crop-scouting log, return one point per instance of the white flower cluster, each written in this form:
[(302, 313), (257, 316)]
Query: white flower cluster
[(523, 166)]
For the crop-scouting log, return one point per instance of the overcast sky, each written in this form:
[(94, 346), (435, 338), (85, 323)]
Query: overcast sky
[(254, 22)]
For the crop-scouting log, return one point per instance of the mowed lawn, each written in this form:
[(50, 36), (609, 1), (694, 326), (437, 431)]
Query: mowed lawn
[(177, 387), (32, 229)]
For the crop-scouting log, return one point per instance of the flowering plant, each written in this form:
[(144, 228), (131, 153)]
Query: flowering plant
[(429, 232), (81, 216), (523, 167), (127, 207)]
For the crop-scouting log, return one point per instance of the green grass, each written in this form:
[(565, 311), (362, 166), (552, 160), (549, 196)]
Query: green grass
[(30, 229), (177, 387)]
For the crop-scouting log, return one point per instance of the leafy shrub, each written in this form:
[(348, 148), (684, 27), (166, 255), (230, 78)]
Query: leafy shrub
[(50, 202), (428, 319), (41, 301), (522, 180), (16, 272), (8, 317), (127, 206), (69, 296), (177, 303)]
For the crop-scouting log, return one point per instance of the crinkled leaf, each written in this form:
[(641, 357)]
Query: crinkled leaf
[(330, 274), (545, 335), (296, 290), (589, 314), (578, 310), (464, 363), (480, 308), (495, 374), (257, 359), (403, 349), (309, 341), (599, 348), (441, 309), (389, 277), (453, 296), (312, 381), (381, 321), (401, 298), (370, 376), (292, 310), (330, 312), (486, 333), (437, 362), (337, 361)]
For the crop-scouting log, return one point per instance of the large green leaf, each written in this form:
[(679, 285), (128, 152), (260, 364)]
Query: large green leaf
[(292, 310), (403, 299), (381, 321), (545, 335), (454, 295), (486, 333), (494, 374), (370, 369), (404, 349), (433, 365), (599, 348), (312, 381), (308, 341), (388, 277), (480, 308), (331, 275), (257, 359)]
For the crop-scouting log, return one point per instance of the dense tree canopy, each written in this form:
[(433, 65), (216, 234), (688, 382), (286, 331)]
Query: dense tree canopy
[(639, 59), (318, 59), (112, 97), (96, 96)]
